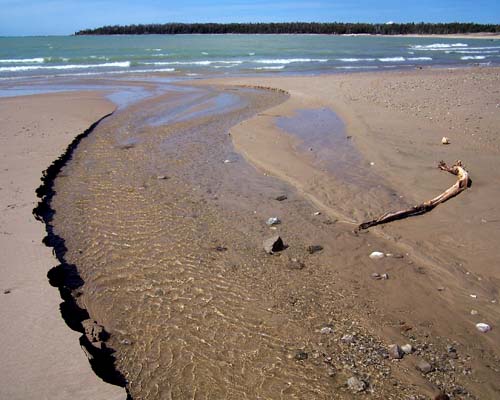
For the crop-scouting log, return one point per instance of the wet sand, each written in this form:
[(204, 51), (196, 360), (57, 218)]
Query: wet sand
[(164, 213), (41, 356)]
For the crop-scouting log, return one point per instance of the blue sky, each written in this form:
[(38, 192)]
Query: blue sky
[(61, 17)]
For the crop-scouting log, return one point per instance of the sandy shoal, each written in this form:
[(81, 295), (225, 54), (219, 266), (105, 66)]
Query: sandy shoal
[(397, 120), (41, 356)]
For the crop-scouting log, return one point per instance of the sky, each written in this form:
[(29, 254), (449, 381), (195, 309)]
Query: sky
[(64, 17)]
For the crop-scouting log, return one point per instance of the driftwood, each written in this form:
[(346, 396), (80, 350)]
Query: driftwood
[(461, 184)]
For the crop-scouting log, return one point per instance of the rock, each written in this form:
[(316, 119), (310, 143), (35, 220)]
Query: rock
[(314, 248), (347, 339), (445, 140), (94, 331), (294, 263), (221, 248), (376, 276), (424, 367), (161, 177), (474, 312), (281, 197), (376, 255), (273, 244), (407, 348), (326, 330), (482, 327), (273, 221), (355, 384), (395, 352), (301, 356), (384, 276), (317, 213), (442, 396)]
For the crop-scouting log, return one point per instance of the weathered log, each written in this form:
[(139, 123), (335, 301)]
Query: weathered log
[(461, 184)]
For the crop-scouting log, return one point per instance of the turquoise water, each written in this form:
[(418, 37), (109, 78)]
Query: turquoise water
[(192, 55)]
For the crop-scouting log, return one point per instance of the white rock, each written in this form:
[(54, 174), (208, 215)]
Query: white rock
[(482, 327), (474, 312), (474, 296), (326, 330), (445, 140), (376, 255), (273, 221), (355, 384), (407, 348)]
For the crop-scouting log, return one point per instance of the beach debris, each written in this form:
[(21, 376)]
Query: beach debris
[(221, 248), (317, 213), (474, 312), (377, 276), (407, 348), (440, 288), (372, 163), (273, 244), (326, 330), (376, 255), (356, 385), (384, 276), (460, 185), (395, 352), (295, 263), (392, 255), (482, 327), (445, 140), (281, 197), (161, 177), (273, 221), (474, 296), (314, 248), (301, 356), (424, 367), (229, 161)]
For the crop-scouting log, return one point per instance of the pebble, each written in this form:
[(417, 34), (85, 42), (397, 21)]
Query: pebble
[(314, 248), (162, 177), (347, 339), (273, 221), (326, 330), (474, 296), (376, 255), (273, 244), (424, 367), (445, 140), (482, 327), (281, 197), (301, 356), (474, 312), (407, 348), (355, 384), (384, 276), (395, 352), (317, 213)]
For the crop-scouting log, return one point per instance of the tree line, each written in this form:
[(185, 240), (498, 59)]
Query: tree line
[(334, 28)]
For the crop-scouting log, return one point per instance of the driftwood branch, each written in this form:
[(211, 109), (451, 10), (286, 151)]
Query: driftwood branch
[(461, 184)]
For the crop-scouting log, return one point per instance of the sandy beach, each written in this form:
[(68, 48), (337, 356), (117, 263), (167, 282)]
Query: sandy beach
[(163, 209), (42, 358)]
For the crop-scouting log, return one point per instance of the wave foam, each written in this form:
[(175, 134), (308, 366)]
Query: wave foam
[(472, 57), (356, 59), (37, 60), (438, 46), (392, 59), (125, 64), (270, 68), (289, 60), (420, 59)]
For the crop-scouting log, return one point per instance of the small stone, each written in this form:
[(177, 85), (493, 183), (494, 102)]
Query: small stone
[(6, 291), (326, 330), (395, 352), (314, 248), (355, 384), (273, 221), (482, 327), (440, 288), (161, 177), (384, 276), (442, 396), (474, 296), (281, 197), (273, 244), (94, 331), (347, 339), (407, 348), (372, 163), (125, 342), (424, 367), (474, 312), (221, 248), (376, 255), (445, 140), (301, 356), (376, 276), (317, 213)]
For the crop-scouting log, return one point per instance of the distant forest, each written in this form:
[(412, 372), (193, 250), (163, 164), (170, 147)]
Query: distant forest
[(334, 28)]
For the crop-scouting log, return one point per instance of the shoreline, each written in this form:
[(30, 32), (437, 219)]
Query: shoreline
[(396, 120), (47, 361)]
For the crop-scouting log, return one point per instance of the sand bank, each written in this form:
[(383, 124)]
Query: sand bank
[(41, 356), (396, 121)]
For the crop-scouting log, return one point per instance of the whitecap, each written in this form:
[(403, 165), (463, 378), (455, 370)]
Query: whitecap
[(125, 64), (37, 60), (420, 58), (356, 59), (473, 57), (270, 68), (392, 59), (289, 60)]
